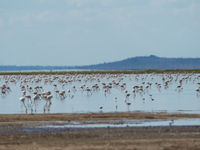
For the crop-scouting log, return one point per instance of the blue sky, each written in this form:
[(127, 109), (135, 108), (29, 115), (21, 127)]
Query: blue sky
[(79, 32)]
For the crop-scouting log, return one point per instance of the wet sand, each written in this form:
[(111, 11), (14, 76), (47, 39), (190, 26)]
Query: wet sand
[(13, 135)]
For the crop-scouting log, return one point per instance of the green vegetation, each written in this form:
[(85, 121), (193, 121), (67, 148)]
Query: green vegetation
[(101, 72)]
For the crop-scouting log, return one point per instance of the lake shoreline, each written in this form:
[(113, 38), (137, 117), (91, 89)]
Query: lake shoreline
[(84, 72), (93, 116), (182, 137)]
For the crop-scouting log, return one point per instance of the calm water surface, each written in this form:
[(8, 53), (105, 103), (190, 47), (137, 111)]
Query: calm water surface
[(100, 93), (124, 123)]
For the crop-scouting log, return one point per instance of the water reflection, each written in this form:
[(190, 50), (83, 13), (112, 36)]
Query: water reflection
[(99, 93)]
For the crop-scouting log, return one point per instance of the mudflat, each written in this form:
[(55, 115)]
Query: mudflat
[(168, 137), (93, 116)]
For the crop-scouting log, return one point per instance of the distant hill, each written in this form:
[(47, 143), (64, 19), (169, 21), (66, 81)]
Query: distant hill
[(151, 62)]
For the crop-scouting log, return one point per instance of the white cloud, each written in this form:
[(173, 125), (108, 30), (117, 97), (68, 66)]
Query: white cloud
[(193, 10), (29, 18), (44, 16), (87, 3), (16, 18), (104, 11), (1, 22), (78, 3)]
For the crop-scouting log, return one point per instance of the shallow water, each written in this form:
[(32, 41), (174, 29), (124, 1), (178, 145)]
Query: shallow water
[(155, 98), (124, 123)]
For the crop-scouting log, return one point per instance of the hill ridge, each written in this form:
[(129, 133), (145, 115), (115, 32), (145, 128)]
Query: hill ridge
[(151, 62)]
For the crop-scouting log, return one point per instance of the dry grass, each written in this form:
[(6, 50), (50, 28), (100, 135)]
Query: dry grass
[(161, 138), (92, 116), (107, 138)]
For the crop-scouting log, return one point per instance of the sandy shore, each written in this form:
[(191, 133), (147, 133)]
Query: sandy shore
[(182, 137)]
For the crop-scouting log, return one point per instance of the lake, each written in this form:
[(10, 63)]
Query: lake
[(171, 93)]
